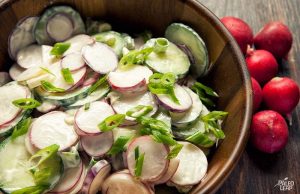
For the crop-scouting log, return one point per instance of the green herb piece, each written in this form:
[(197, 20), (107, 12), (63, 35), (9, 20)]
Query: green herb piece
[(26, 103), (211, 123), (163, 84), (67, 75), (202, 139), (87, 106), (205, 93), (38, 189), (139, 111), (139, 161), (110, 40), (161, 45), (47, 71), (59, 49), (96, 85), (136, 152), (161, 138), (50, 87), (174, 151), (146, 35), (111, 122), (135, 57), (119, 144), (21, 128), (154, 125)]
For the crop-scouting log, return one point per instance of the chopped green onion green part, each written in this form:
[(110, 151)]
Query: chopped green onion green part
[(136, 152), (201, 139), (119, 144), (135, 57), (67, 75), (139, 111), (160, 45), (87, 106), (59, 49), (161, 138), (47, 71), (102, 80), (50, 87), (111, 122), (21, 128), (26, 103), (205, 94), (174, 151), (43, 155), (139, 164)]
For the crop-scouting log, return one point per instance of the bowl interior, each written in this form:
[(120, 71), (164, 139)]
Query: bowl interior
[(228, 75)]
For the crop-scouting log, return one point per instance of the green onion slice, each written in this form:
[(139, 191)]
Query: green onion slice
[(50, 87), (161, 45), (119, 144), (59, 49), (174, 151), (139, 164), (135, 57), (139, 111), (67, 75), (26, 103), (21, 128), (111, 122), (101, 81)]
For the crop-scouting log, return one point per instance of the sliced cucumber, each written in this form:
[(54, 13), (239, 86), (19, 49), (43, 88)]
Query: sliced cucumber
[(172, 60), (182, 34), (96, 95), (113, 39), (40, 30), (63, 99)]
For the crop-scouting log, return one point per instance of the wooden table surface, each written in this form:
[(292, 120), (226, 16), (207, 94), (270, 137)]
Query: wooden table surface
[(256, 172)]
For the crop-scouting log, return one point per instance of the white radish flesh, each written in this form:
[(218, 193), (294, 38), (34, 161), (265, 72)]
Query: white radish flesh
[(30, 56), (192, 167), (47, 58), (185, 101), (155, 162), (77, 42), (100, 57), (172, 168), (134, 79), (60, 27), (73, 61), (30, 73), (97, 145), (4, 78), (123, 183), (87, 120), (51, 128), (10, 92), (69, 180), (29, 147), (192, 114), (95, 177), (36, 81), (15, 70), (46, 106)]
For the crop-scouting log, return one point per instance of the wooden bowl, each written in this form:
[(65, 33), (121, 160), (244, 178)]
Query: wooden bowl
[(228, 75)]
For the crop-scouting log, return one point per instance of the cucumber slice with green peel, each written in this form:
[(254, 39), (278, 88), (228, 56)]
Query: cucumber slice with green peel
[(172, 60), (45, 31), (96, 95), (179, 33), (113, 39)]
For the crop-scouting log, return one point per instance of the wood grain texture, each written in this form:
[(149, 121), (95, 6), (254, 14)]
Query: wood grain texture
[(257, 172)]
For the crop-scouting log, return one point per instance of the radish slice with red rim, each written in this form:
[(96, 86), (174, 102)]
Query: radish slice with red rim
[(155, 162), (87, 121), (4, 78), (77, 42), (21, 36), (100, 57), (185, 100), (62, 22), (73, 61), (131, 80), (51, 128), (172, 168), (192, 167), (97, 145), (69, 179), (10, 92), (30, 56), (124, 183), (15, 70), (29, 147), (95, 177)]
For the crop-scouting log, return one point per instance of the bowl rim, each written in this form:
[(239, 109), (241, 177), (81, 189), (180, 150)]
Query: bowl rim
[(216, 181)]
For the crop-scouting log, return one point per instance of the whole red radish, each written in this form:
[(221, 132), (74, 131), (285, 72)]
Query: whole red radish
[(269, 131), (257, 94), (262, 65), (240, 30), (274, 37), (281, 94)]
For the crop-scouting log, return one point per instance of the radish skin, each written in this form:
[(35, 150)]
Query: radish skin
[(173, 166), (257, 94)]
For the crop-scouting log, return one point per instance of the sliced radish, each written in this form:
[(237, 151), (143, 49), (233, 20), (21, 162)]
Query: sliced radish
[(36, 81), (4, 78), (192, 167), (155, 162), (100, 57), (91, 77), (30, 73), (30, 56), (46, 106), (87, 121), (21, 36), (29, 147), (60, 27), (172, 168), (192, 114), (51, 128), (97, 145), (10, 92), (123, 183), (77, 42), (185, 100), (69, 180), (79, 184), (132, 80), (95, 177), (15, 70), (117, 161), (121, 104), (73, 61)]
